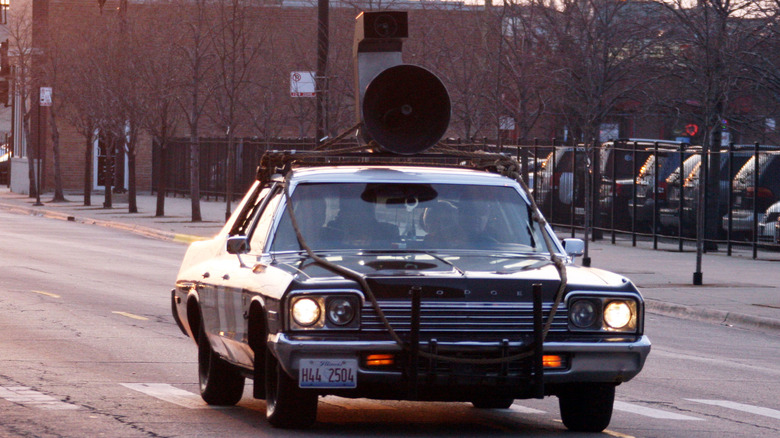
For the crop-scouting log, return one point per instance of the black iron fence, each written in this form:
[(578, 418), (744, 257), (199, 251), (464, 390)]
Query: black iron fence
[(648, 190)]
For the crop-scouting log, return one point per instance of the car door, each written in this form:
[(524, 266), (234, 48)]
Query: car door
[(229, 282)]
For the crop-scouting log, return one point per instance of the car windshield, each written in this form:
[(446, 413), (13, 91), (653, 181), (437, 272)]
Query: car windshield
[(392, 216)]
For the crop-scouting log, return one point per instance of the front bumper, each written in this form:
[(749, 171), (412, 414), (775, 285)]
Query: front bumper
[(587, 362)]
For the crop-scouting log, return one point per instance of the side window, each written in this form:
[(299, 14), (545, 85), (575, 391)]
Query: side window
[(263, 223)]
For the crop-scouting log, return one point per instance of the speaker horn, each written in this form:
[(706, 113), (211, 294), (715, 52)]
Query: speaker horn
[(406, 109)]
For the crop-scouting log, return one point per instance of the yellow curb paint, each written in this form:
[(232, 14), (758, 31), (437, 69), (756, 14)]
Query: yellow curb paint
[(48, 294), (186, 238), (130, 315)]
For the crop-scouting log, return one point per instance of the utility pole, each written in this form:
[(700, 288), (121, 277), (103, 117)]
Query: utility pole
[(321, 79)]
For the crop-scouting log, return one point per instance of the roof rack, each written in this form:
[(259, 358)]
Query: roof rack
[(282, 162)]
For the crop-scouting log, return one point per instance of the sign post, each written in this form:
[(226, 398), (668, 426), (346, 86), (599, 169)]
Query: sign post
[(44, 101), (302, 84)]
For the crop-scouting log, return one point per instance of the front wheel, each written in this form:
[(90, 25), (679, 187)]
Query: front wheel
[(587, 407), (287, 406), (220, 384)]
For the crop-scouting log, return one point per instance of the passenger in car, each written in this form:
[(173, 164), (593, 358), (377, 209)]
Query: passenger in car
[(355, 226), (440, 221)]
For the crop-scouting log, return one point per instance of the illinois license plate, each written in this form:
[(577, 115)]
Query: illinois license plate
[(328, 373)]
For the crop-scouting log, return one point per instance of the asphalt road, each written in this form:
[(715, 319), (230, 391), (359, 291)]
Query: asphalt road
[(89, 348)]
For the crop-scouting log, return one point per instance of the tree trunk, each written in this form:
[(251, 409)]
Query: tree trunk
[(59, 194), (132, 204), (195, 176), (162, 162), (108, 174), (88, 169), (229, 175)]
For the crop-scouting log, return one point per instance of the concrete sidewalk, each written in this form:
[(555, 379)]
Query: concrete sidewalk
[(737, 290)]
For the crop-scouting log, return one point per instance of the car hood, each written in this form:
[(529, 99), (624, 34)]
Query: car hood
[(493, 277)]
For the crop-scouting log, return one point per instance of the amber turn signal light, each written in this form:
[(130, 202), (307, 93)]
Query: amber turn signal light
[(552, 361), (376, 360)]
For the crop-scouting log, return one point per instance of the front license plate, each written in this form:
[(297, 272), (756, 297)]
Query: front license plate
[(328, 373)]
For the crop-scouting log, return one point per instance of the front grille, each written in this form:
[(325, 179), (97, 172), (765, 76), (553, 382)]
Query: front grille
[(462, 317)]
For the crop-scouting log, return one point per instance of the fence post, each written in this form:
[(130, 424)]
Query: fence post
[(552, 182), (681, 187), (633, 194), (656, 169), (730, 202), (755, 201)]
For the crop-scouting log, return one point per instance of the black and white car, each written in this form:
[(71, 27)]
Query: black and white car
[(411, 282)]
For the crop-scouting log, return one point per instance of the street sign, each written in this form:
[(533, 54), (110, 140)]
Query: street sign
[(45, 96), (302, 84)]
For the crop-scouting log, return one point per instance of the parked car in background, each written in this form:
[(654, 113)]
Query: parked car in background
[(620, 161), (561, 184), (645, 204), (745, 193), (769, 224), (670, 215)]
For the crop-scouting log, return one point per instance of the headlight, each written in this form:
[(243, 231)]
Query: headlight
[(324, 309), (602, 312), (305, 312), (617, 314), (583, 313), (340, 311)]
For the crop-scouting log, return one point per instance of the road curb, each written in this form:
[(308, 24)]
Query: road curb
[(711, 315), (137, 229)]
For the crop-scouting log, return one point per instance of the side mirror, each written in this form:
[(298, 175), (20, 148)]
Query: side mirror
[(237, 245), (574, 247)]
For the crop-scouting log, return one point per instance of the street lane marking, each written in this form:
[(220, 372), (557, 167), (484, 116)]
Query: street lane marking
[(617, 434), (170, 394), (766, 412), (26, 396), (525, 410), (48, 294), (130, 315), (651, 412), (356, 403)]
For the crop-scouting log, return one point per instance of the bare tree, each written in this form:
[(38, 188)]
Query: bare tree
[(524, 95), (708, 34), (596, 54), (237, 45), (158, 75), (195, 54)]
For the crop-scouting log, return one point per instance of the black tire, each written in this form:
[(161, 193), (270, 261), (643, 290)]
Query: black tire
[(493, 403), (287, 406), (587, 407), (220, 384)]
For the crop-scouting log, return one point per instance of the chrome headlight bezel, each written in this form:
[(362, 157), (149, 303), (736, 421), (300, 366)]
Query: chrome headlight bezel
[(324, 300), (605, 321)]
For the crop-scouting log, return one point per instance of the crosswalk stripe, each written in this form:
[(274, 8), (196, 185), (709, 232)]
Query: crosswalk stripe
[(26, 396), (651, 412), (766, 412), (169, 393)]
